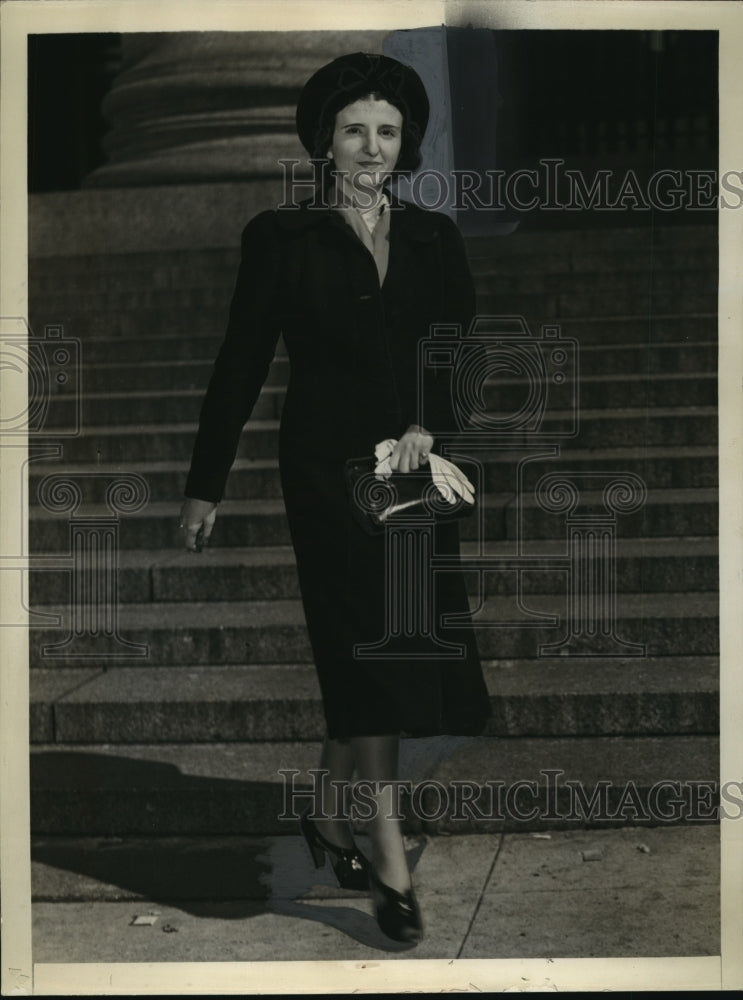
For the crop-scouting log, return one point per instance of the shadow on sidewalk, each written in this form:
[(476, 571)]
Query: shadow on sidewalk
[(218, 876), (182, 840), (84, 793)]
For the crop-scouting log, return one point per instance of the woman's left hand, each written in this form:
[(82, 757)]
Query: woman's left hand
[(412, 450)]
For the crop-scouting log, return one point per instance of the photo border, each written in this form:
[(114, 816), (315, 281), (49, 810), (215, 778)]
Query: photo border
[(19, 974)]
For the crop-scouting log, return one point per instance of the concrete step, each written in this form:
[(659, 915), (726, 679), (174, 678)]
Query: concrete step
[(642, 359), (661, 468), (221, 632), (650, 329), (647, 564), (249, 479), (112, 281), (136, 406), (134, 322), (627, 241), (203, 704), (178, 374), (594, 360), (599, 331), (693, 294), (249, 523), (660, 286), (132, 294), (268, 572), (622, 426), (227, 788), (614, 427), (678, 513), (568, 252), (585, 299), (151, 268), (157, 347), (627, 282), (108, 445), (220, 673), (241, 522), (618, 391), (625, 248), (521, 254)]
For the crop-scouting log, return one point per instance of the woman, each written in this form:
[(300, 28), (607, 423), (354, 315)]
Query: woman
[(353, 279)]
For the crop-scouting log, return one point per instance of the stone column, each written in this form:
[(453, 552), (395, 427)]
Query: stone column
[(202, 107)]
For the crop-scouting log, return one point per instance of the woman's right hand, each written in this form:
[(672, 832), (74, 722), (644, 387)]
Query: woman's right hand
[(412, 450), (197, 521)]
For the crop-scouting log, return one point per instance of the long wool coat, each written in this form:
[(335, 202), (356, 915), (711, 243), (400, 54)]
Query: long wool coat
[(353, 350)]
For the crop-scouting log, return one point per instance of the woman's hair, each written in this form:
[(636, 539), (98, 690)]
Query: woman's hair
[(410, 155)]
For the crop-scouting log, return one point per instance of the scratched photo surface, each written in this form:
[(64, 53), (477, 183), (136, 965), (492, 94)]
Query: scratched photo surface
[(176, 714)]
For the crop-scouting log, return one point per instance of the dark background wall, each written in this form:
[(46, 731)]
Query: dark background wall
[(638, 96), (68, 76), (599, 99)]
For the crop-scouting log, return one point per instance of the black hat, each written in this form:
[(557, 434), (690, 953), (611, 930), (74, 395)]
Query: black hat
[(346, 79)]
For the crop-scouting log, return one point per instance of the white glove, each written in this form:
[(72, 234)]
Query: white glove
[(448, 479), (383, 453)]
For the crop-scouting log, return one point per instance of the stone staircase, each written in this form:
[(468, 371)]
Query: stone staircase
[(192, 736)]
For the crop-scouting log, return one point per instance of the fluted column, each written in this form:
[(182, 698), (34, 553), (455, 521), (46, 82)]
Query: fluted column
[(191, 107)]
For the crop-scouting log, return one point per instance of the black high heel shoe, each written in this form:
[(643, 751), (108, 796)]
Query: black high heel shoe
[(398, 914), (349, 864)]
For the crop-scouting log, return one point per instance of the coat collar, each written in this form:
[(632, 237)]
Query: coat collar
[(416, 223)]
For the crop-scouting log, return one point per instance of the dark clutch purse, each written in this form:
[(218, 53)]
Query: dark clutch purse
[(402, 497)]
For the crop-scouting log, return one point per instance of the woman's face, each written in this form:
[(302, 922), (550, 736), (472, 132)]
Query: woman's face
[(366, 144)]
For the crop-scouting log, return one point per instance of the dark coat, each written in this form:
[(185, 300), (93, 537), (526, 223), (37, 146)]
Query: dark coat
[(353, 351)]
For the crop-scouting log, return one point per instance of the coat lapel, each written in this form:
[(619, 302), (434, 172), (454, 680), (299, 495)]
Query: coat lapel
[(410, 226)]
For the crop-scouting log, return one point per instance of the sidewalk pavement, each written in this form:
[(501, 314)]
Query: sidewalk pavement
[(629, 891)]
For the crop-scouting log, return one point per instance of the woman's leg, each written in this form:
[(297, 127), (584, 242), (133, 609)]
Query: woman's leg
[(337, 758), (377, 761)]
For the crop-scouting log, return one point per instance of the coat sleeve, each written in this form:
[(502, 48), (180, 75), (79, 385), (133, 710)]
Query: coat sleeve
[(457, 306), (243, 360)]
